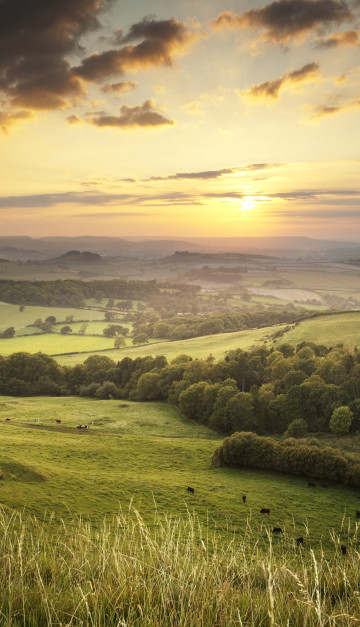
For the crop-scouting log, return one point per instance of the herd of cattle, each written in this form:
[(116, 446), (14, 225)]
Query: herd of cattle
[(58, 421), (265, 510)]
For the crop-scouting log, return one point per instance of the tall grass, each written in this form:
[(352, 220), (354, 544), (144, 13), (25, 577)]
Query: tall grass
[(169, 573)]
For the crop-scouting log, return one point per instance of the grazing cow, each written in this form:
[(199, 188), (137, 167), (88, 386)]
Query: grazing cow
[(277, 530), (343, 549), (7, 419), (357, 513), (36, 419), (311, 484), (58, 421), (82, 427), (244, 498), (299, 541), (192, 490), (264, 510), (323, 485)]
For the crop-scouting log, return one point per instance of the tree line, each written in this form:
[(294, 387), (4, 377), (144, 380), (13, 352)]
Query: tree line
[(248, 450), (267, 391)]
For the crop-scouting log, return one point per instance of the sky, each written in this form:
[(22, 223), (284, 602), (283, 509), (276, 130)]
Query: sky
[(180, 118)]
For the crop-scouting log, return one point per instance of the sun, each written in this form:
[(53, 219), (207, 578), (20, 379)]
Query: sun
[(248, 203)]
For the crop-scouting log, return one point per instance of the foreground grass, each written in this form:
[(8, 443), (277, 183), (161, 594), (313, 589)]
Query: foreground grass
[(170, 573)]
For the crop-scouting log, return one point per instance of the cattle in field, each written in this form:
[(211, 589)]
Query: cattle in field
[(36, 419), (189, 489), (244, 498), (277, 530), (7, 419), (58, 421), (358, 513), (82, 427), (343, 549), (311, 484), (299, 541), (264, 510)]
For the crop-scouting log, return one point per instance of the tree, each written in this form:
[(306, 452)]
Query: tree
[(140, 338), (51, 319), (341, 419), (119, 341), (66, 330), (296, 429), (69, 319), (8, 333), (22, 307), (83, 328)]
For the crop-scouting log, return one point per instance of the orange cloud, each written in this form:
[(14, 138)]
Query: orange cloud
[(346, 38), (270, 89), (144, 115), (161, 39)]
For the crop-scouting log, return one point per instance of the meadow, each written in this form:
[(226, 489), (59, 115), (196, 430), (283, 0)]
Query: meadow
[(146, 454)]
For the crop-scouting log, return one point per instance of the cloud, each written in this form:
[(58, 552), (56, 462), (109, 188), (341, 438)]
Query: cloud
[(108, 214), (35, 38), (73, 119), (271, 89), (346, 38), (213, 174), (116, 88), (284, 20), (144, 115), (329, 110), (7, 118), (160, 40)]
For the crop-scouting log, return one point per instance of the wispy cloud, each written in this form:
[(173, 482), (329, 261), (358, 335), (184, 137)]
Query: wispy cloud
[(346, 38), (270, 89)]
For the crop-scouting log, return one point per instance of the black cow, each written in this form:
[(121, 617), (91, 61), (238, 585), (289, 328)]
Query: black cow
[(311, 484), (58, 421), (264, 510), (343, 549), (357, 511), (277, 530), (192, 490), (244, 498), (299, 541), (7, 419)]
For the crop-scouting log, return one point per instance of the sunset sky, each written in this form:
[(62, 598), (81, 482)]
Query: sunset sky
[(180, 118)]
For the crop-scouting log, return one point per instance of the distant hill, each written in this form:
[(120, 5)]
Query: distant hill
[(75, 256), (23, 248)]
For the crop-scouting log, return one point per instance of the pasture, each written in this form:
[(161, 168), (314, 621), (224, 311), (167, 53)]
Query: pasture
[(342, 328), (10, 315), (146, 454)]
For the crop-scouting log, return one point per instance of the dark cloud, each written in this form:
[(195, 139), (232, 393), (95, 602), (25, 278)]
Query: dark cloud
[(35, 38), (144, 115), (116, 88), (161, 39), (346, 38), (270, 89), (283, 20)]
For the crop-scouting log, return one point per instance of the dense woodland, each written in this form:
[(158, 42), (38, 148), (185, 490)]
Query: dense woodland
[(288, 390)]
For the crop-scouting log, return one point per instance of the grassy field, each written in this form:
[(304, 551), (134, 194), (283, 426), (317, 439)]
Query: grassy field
[(54, 344), (10, 315), (146, 454), (198, 347), (327, 330)]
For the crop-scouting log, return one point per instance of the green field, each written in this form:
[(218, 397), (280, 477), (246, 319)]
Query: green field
[(54, 344), (147, 454), (198, 347), (328, 330), (10, 315)]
